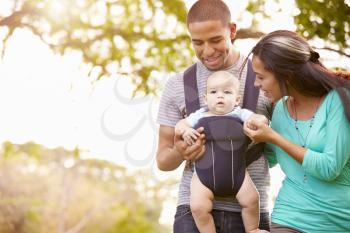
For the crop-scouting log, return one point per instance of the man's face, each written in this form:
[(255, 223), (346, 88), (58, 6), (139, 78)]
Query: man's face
[(212, 43)]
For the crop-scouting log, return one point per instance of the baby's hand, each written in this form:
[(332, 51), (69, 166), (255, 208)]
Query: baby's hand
[(190, 136), (256, 119)]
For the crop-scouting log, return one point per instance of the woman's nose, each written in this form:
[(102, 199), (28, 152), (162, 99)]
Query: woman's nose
[(257, 83)]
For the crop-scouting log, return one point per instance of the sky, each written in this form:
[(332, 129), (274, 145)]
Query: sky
[(49, 99)]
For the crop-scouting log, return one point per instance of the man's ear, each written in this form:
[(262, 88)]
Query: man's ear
[(233, 30)]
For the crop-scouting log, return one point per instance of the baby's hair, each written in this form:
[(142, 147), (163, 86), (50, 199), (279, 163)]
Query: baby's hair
[(227, 75)]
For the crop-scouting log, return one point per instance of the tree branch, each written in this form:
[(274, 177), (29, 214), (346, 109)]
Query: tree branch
[(248, 33), (334, 50), (4, 42)]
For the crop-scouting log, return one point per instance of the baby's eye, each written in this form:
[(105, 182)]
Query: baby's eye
[(212, 92), (228, 92)]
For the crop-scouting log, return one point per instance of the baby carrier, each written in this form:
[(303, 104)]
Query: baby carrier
[(222, 167)]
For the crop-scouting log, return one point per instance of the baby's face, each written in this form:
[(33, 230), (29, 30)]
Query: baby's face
[(221, 96)]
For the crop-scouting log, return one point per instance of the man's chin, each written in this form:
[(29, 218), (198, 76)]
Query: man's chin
[(213, 67)]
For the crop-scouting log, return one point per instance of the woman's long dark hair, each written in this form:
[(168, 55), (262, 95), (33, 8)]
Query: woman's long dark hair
[(294, 64)]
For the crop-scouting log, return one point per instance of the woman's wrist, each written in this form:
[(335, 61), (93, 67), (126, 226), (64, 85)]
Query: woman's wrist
[(275, 138)]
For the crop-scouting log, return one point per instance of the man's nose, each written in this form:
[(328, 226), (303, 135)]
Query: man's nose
[(208, 50)]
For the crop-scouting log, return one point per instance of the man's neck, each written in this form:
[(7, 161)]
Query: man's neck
[(233, 58)]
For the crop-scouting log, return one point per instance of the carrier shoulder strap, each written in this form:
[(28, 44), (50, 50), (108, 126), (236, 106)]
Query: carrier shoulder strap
[(251, 93), (191, 89), (250, 98)]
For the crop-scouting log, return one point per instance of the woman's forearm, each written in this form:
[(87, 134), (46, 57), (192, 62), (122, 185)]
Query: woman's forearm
[(295, 151)]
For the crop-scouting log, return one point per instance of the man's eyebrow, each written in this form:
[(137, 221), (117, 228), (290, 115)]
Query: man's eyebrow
[(215, 38), (212, 38)]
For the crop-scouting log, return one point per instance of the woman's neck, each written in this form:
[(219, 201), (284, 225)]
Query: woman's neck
[(303, 107)]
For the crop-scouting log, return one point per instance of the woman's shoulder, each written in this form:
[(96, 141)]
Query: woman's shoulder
[(332, 98), (280, 104)]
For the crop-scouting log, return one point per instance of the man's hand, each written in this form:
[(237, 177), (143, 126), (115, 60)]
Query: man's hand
[(190, 152)]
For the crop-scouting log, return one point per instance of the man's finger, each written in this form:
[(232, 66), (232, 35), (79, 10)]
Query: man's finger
[(200, 130), (200, 154), (192, 151)]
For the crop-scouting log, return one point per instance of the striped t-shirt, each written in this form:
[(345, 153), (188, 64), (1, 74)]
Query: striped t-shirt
[(172, 109)]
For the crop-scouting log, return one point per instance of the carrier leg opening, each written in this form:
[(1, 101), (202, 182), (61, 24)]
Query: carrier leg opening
[(201, 202), (248, 198)]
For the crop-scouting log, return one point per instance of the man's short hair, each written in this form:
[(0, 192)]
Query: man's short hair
[(207, 10)]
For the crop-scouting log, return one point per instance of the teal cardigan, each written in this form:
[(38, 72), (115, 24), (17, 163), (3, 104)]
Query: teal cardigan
[(315, 195)]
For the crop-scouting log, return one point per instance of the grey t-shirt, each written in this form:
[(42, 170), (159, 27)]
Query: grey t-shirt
[(172, 109)]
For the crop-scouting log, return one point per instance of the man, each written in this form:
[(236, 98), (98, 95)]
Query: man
[(212, 34)]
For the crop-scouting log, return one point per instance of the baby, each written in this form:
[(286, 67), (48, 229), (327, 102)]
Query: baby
[(221, 99)]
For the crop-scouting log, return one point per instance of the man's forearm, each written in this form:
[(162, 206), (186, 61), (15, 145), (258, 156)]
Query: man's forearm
[(169, 159)]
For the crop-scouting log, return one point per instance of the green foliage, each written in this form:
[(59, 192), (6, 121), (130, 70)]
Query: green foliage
[(124, 37), (140, 38), (325, 19), (56, 191)]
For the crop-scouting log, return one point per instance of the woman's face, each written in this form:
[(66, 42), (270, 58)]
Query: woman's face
[(266, 81)]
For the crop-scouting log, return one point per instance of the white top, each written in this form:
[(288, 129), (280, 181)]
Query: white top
[(238, 112)]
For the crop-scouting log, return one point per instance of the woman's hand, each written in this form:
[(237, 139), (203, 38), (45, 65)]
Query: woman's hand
[(257, 129)]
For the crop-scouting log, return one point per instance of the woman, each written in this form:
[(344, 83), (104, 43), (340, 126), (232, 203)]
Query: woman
[(309, 135)]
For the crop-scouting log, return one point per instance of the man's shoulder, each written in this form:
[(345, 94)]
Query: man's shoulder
[(178, 76), (175, 80)]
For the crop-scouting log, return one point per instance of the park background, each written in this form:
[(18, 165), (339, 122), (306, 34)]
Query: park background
[(80, 82)]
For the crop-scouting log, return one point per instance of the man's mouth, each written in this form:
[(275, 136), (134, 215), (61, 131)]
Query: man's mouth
[(211, 60)]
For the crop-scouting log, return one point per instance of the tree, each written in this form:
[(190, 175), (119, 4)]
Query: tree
[(131, 38), (328, 20), (324, 19), (54, 190), (141, 38)]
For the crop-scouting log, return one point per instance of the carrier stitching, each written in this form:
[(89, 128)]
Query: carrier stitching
[(233, 181), (212, 155)]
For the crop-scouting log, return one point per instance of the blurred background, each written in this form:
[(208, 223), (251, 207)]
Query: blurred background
[(80, 82)]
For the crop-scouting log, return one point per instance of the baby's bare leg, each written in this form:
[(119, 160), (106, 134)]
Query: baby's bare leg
[(201, 202), (248, 198)]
